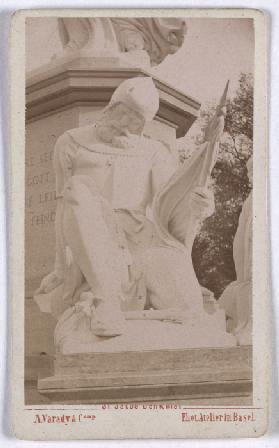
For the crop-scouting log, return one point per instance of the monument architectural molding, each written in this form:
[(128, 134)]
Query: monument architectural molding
[(217, 373), (79, 83)]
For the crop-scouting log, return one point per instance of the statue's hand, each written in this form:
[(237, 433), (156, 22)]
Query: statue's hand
[(50, 282), (202, 202)]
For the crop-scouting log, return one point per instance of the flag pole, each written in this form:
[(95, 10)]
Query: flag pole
[(213, 133)]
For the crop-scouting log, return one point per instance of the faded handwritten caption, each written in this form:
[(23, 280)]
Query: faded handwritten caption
[(224, 417), (82, 418), (65, 419), (141, 406)]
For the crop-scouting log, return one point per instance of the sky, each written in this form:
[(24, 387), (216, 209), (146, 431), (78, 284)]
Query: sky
[(214, 51)]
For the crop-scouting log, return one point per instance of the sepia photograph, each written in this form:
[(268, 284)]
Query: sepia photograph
[(138, 220)]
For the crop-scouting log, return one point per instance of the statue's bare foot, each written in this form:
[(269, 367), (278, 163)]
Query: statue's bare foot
[(107, 319), (49, 283)]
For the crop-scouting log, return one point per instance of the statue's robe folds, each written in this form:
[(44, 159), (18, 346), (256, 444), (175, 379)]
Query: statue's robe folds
[(237, 297), (106, 243)]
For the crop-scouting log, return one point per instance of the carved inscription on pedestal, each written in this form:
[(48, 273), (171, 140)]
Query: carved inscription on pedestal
[(40, 206)]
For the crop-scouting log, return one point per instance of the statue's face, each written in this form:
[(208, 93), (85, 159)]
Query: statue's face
[(119, 122), (134, 41), (126, 120)]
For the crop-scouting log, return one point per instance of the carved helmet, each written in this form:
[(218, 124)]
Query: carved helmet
[(140, 94)]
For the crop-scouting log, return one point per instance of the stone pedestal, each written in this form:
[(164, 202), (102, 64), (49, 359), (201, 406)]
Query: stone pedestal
[(178, 374), (151, 361)]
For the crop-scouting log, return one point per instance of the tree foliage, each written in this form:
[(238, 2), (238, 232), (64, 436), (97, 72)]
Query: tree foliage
[(212, 250)]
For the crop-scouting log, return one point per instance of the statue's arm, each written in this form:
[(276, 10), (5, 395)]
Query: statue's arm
[(63, 156)]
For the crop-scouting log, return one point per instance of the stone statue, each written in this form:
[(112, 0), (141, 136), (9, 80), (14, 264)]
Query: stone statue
[(126, 219), (237, 297), (154, 37)]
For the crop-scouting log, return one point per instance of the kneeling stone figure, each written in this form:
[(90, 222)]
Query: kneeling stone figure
[(112, 255)]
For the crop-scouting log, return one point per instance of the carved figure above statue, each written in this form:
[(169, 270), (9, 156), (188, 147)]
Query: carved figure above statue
[(154, 38)]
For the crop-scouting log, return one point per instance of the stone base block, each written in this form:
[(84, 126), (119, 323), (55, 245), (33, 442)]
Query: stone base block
[(151, 375)]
